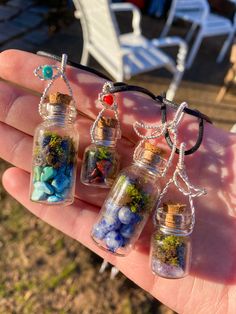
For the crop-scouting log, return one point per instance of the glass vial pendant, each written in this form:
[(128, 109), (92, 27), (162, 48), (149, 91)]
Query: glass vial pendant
[(101, 162), (129, 203), (55, 153), (171, 242)]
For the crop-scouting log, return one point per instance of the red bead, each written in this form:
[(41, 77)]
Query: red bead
[(108, 99)]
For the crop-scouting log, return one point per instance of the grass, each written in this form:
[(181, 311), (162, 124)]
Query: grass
[(43, 271)]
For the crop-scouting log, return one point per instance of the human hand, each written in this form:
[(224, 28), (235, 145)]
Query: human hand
[(211, 285)]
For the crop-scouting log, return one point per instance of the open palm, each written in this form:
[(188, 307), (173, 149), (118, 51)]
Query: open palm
[(211, 285)]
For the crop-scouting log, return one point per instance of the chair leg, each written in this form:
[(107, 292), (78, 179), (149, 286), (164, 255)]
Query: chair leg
[(194, 50), (85, 56), (227, 82), (190, 32), (225, 47), (169, 21)]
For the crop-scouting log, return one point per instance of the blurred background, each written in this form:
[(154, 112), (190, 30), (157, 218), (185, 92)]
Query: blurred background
[(43, 271)]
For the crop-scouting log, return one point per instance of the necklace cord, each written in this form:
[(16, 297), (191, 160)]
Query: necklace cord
[(160, 100)]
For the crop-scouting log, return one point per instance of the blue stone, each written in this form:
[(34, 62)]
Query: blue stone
[(111, 209), (125, 215), (54, 199), (69, 170), (47, 72), (98, 231), (63, 194), (136, 218), (60, 183), (62, 170), (44, 187), (38, 195), (48, 173), (113, 240), (127, 231), (110, 223)]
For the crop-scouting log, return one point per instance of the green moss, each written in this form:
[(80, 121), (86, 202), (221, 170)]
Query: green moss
[(103, 153), (167, 248), (54, 150), (134, 193), (55, 141), (139, 199), (170, 242)]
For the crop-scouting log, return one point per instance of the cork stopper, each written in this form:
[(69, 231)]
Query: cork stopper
[(58, 98), (172, 210), (152, 153), (154, 149), (106, 128)]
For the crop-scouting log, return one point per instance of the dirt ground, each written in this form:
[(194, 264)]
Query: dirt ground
[(43, 271)]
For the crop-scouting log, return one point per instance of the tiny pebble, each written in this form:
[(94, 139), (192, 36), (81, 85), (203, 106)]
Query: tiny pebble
[(60, 183), (127, 231), (48, 173), (125, 215), (110, 223), (44, 187), (113, 240), (38, 195), (165, 270), (98, 231), (54, 198), (111, 209)]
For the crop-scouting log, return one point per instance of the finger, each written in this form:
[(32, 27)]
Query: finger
[(19, 108), (86, 86)]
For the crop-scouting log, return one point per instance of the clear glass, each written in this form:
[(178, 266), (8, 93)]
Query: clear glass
[(171, 243), (100, 166), (126, 209), (54, 163), (170, 255)]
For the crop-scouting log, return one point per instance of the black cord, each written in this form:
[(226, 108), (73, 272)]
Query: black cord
[(169, 141), (73, 64), (123, 87)]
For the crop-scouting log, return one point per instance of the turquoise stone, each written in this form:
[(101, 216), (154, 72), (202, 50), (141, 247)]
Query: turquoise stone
[(38, 195), (44, 187), (47, 72), (63, 194), (60, 183), (48, 173), (54, 199), (37, 173)]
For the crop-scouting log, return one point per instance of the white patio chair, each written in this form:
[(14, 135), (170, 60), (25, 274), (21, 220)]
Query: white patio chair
[(198, 13), (128, 54)]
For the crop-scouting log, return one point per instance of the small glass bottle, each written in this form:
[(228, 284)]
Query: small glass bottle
[(130, 201), (55, 153), (171, 242), (101, 162)]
